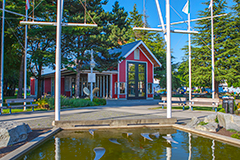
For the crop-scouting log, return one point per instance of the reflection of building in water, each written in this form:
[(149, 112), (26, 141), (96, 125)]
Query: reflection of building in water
[(131, 78)]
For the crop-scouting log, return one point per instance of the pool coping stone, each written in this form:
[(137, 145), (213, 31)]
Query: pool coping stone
[(218, 137), (19, 152)]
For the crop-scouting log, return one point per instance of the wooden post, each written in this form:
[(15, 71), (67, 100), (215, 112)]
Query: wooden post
[(107, 86), (100, 86), (110, 85), (81, 81), (104, 88)]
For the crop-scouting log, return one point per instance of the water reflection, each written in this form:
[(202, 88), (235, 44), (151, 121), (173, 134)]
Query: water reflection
[(189, 146), (213, 148), (57, 149), (80, 145), (169, 149)]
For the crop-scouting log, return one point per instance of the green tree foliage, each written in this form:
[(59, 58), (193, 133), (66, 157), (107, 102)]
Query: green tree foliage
[(110, 33), (13, 49), (226, 53), (236, 36), (41, 42)]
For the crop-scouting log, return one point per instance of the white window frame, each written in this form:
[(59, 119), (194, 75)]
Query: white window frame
[(136, 54)]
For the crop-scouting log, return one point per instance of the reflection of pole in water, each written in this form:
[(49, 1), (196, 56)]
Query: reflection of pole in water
[(169, 150), (169, 153), (57, 149), (189, 146), (213, 148)]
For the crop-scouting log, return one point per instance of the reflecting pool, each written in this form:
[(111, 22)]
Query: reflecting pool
[(120, 144)]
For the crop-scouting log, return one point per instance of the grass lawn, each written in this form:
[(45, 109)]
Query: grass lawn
[(6, 111), (194, 108)]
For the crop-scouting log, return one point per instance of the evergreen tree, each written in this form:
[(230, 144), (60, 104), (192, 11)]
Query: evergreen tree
[(236, 38), (226, 49), (110, 33)]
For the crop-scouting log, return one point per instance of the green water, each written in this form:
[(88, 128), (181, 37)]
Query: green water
[(80, 144)]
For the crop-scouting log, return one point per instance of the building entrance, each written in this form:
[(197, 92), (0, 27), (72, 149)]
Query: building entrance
[(136, 78)]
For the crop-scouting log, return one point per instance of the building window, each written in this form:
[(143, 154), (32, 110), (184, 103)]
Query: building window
[(136, 54), (67, 84), (150, 90), (115, 88), (122, 88)]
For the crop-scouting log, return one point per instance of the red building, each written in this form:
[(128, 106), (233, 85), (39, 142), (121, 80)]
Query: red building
[(133, 78)]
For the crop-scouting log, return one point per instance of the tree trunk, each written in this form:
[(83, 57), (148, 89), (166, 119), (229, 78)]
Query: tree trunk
[(77, 83), (39, 91), (20, 82), (216, 89)]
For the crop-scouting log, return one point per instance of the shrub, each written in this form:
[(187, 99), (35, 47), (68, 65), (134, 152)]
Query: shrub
[(70, 102), (43, 104), (236, 135), (237, 112), (232, 130), (222, 110), (99, 101), (202, 123)]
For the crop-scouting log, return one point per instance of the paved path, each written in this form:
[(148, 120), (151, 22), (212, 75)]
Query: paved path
[(115, 109)]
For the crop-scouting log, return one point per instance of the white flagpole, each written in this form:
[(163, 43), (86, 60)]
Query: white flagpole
[(213, 77), (190, 58), (25, 61), (2, 54), (58, 61), (161, 19), (169, 67)]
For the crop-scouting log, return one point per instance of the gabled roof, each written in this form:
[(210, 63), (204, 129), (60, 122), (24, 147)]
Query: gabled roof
[(127, 49), (124, 48)]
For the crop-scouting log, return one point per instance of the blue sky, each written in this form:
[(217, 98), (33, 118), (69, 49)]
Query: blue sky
[(177, 40)]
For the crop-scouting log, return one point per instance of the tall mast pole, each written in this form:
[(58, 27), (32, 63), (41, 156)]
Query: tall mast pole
[(213, 76), (2, 53), (161, 19), (190, 56), (58, 61), (169, 67), (25, 60), (144, 13)]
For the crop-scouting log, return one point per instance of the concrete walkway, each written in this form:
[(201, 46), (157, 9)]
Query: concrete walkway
[(115, 109)]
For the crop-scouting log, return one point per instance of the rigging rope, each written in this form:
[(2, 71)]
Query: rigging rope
[(15, 34), (35, 7), (87, 12)]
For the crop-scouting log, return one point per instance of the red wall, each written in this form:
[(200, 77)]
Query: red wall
[(150, 95), (32, 85), (47, 85), (142, 58), (122, 71), (114, 79), (67, 93)]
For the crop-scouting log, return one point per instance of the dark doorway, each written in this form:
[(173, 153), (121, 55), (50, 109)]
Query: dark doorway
[(136, 78)]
